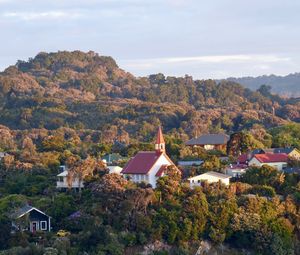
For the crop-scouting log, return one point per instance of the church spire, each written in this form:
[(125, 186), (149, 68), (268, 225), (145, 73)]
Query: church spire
[(160, 142)]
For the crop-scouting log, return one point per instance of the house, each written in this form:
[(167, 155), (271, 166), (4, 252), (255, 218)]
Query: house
[(209, 177), (236, 170), (31, 219), (63, 181), (210, 141), (279, 160), (148, 166), (114, 169)]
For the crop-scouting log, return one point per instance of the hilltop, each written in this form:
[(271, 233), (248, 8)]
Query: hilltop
[(88, 91), (288, 85)]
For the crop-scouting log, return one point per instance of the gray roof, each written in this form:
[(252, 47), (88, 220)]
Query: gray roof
[(291, 170), (24, 210), (257, 151), (212, 139), (189, 162), (283, 150)]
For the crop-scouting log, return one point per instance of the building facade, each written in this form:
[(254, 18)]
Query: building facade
[(30, 219), (209, 177)]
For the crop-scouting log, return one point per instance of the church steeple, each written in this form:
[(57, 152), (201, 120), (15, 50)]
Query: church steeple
[(160, 142)]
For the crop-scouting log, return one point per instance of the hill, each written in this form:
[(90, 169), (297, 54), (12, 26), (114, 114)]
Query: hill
[(88, 91), (288, 85)]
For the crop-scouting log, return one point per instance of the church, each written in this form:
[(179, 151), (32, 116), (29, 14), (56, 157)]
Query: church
[(148, 166)]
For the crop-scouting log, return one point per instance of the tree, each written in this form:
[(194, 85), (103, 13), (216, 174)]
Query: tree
[(220, 215), (265, 175), (169, 185), (28, 150), (8, 161), (242, 142), (81, 169), (265, 90)]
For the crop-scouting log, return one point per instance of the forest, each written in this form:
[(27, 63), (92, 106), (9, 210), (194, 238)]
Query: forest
[(86, 91), (72, 108)]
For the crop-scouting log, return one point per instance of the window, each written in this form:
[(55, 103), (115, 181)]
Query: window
[(209, 147), (199, 181), (43, 225)]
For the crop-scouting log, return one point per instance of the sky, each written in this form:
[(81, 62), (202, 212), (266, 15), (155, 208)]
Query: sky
[(203, 38)]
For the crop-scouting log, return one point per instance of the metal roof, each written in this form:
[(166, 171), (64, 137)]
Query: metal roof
[(142, 163), (271, 158)]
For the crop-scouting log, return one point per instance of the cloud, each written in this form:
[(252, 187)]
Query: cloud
[(213, 66), (146, 63), (28, 16)]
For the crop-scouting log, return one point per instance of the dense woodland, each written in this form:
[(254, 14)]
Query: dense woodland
[(73, 108), (86, 91)]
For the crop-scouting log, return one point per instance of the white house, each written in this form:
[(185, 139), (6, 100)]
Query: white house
[(62, 181), (278, 160), (209, 177), (115, 169), (148, 166)]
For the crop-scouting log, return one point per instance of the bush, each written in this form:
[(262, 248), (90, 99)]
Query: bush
[(263, 190)]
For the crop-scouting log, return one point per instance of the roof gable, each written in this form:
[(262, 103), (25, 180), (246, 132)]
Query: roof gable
[(25, 210), (161, 170)]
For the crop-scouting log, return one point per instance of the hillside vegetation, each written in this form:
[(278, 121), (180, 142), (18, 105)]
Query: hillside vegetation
[(87, 91)]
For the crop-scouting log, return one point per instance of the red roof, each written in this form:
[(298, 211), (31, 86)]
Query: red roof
[(161, 170), (159, 137), (141, 163), (243, 158), (270, 157)]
